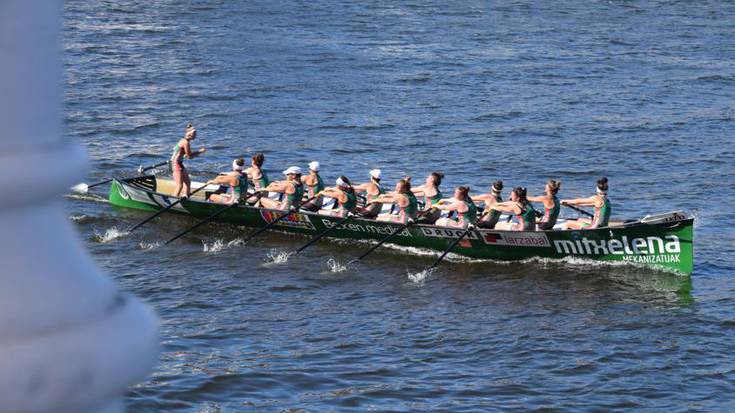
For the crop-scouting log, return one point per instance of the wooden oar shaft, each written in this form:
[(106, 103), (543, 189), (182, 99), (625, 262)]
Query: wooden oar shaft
[(110, 180), (580, 210), (167, 208), (203, 221), (325, 232), (382, 241)]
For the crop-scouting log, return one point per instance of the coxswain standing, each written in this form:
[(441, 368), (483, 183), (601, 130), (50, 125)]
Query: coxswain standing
[(183, 150)]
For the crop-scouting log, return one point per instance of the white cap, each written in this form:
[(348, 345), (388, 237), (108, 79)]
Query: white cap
[(314, 166), (236, 167), (375, 173), (340, 182), (295, 170)]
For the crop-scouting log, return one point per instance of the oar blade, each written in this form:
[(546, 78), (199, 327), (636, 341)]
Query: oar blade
[(81, 188)]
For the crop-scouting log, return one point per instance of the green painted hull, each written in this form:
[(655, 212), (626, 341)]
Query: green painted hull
[(662, 245)]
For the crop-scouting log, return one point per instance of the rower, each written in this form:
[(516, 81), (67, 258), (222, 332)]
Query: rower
[(490, 216), (314, 184), (292, 188), (601, 204), (521, 208), (256, 173), (432, 195), (462, 204), (402, 197), (344, 193), (551, 205), (236, 183), (182, 150), (373, 190)]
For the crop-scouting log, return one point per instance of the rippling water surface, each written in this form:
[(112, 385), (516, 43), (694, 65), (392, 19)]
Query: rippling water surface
[(642, 92)]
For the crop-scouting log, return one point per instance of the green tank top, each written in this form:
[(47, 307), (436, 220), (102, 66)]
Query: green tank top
[(493, 215), (175, 155), (351, 203), (263, 180), (552, 214), (432, 200), (528, 217), (318, 187), (381, 191), (602, 214), (297, 196), (413, 205), (471, 214), (242, 186)]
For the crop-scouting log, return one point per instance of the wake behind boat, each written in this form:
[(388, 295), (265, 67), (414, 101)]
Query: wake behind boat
[(662, 241)]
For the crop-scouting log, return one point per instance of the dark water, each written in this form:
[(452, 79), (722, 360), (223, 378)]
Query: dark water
[(642, 92)]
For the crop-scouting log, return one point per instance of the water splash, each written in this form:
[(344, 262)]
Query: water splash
[(88, 197), (277, 257), (145, 246), (420, 277), (109, 235), (335, 266), (79, 218), (219, 245)]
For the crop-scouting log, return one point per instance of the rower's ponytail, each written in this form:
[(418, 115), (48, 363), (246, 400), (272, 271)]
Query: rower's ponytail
[(464, 191), (554, 185), (259, 158), (521, 193), (602, 184), (498, 186), (405, 184), (437, 177)]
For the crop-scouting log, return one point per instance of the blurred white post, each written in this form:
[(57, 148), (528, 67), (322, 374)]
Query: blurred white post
[(69, 340)]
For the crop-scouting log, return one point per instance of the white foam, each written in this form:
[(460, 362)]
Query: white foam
[(145, 246), (335, 266), (277, 257), (109, 235), (420, 277), (78, 218), (88, 197), (219, 245)]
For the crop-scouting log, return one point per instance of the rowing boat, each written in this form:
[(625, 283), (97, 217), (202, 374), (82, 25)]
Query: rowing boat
[(662, 241)]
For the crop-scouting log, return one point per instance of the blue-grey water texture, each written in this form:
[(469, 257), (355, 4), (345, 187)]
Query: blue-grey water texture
[(640, 91)]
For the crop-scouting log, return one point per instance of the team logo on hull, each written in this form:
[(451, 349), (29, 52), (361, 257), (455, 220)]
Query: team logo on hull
[(516, 239), (447, 233), (645, 250), (292, 221)]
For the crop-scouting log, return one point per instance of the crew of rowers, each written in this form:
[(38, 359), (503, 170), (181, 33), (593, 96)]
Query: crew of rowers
[(307, 192)]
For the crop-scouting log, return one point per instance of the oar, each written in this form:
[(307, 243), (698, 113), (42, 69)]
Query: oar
[(325, 232), (173, 204), (470, 228), (382, 241), (204, 221), (580, 210), (83, 188), (275, 221)]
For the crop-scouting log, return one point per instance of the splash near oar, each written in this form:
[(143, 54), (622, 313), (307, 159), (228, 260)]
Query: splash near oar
[(83, 188)]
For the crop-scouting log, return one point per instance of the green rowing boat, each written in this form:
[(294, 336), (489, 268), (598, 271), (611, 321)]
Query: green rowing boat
[(662, 241)]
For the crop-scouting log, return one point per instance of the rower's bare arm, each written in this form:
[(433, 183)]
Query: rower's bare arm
[(277, 186), (505, 207), (590, 201), (385, 199), (479, 198), (537, 198), (362, 187)]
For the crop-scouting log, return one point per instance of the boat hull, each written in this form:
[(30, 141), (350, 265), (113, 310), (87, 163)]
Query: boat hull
[(662, 245)]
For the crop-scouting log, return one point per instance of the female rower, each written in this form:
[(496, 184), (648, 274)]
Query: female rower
[(314, 184), (521, 208), (404, 198), (292, 188), (344, 193), (181, 150), (236, 183), (601, 204), (463, 205), (373, 191), (256, 173), (551, 205), (490, 216), (432, 195)]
